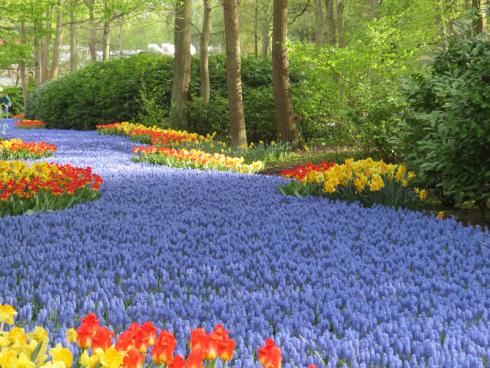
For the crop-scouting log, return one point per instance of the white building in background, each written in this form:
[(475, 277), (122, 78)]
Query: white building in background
[(167, 48)]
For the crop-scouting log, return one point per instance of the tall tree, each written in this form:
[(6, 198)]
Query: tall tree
[(182, 63), (480, 18), (233, 71), (340, 23), (319, 23), (55, 62), (286, 127), (374, 8), (332, 34), (45, 46), (73, 36), (92, 43), (204, 51)]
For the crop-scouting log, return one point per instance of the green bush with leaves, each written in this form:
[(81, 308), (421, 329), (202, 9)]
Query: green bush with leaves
[(139, 88), (444, 134)]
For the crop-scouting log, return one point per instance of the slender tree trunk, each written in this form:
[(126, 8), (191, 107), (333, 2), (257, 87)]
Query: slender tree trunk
[(182, 63), (484, 15), (106, 41), (265, 40), (256, 28), (332, 37), (92, 43), (441, 20), (73, 39), (204, 52), (374, 8), (55, 62), (39, 55), (478, 20), (45, 49), (340, 23), (22, 67), (120, 38), (319, 24), (286, 127), (233, 71)]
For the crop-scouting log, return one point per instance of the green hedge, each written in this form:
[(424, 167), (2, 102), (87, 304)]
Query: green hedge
[(138, 88), (444, 133)]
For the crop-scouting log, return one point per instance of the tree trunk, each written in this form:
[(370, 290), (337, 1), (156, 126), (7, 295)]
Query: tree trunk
[(204, 51), (39, 56), (441, 20), (233, 71), (256, 28), (286, 127), (23, 74), (265, 40), (120, 38), (45, 49), (106, 41), (479, 19), (182, 63), (319, 24), (332, 37), (55, 62), (73, 40), (340, 23), (92, 43), (484, 14), (374, 8)]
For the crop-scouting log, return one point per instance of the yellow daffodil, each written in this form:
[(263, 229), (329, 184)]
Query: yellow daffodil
[(90, 361), (7, 312), (441, 215), (61, 354), (23, 361), (71, 336), (112, 358)]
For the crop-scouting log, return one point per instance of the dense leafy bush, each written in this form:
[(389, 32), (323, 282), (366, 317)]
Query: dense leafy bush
[(445, 132), (102, 92), (139, 88)]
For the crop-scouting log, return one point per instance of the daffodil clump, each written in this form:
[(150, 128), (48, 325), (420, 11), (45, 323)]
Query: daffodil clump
[(367, 181), (19, 348)]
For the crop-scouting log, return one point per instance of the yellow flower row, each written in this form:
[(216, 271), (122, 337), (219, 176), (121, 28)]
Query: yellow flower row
[(131, 129), (16, 170), (363, 175)]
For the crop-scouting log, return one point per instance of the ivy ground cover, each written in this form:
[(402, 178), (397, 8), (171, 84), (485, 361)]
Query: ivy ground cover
[(372, 287)]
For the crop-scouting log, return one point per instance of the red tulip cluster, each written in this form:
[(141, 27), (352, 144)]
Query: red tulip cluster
[(164, 137), (17, 179), (30, 124), (16, 148), (301, 171), (90, 334)]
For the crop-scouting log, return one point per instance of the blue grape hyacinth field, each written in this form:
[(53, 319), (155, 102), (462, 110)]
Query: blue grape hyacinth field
[(358, 287)]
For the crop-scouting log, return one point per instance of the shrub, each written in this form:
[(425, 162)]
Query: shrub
[(445, 131), (139, 88)]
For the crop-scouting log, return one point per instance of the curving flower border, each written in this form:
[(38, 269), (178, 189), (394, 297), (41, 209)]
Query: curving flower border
[(30, 124), (43, 186), (100, 347), (14, 149)]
